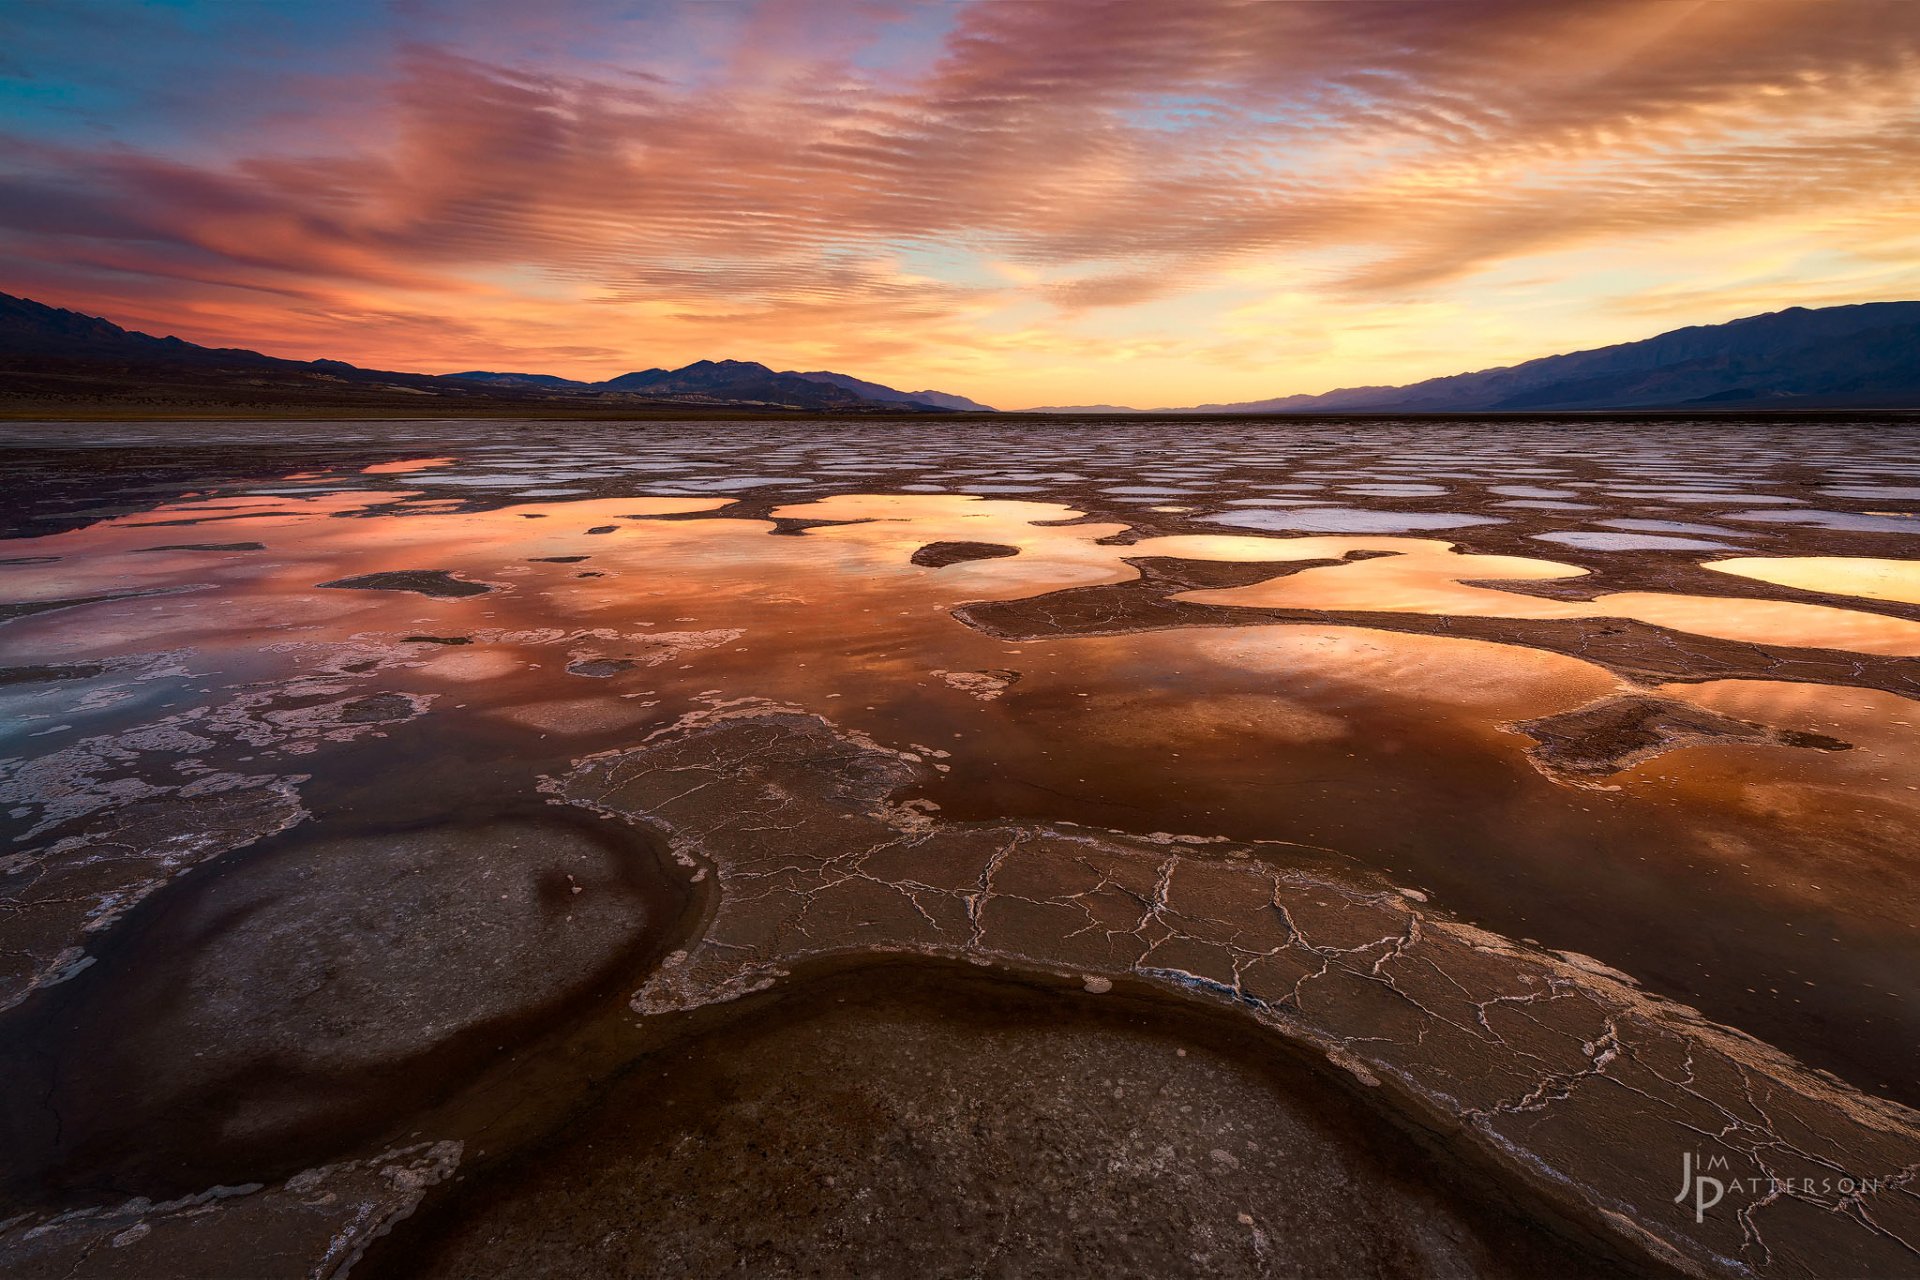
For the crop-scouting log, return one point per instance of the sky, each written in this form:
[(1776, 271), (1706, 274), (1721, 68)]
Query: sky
[(1150, 202)]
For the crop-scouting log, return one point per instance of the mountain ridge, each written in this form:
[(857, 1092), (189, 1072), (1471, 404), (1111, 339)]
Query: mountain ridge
[(55, 353), (1860, 355), (653, 378), (1856, 356)]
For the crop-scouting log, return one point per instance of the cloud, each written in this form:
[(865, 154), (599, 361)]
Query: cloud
[(726, 175)]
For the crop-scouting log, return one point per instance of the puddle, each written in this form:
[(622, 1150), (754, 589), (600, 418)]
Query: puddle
[(1594, 540), (1675, 526), (406, 465), (1848, 521), (1897, 580), (1430, 577), (1350, 520)]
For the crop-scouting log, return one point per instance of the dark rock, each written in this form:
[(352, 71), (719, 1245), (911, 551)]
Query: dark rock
[(938, 555), (600, 668), (438, 583), (378, 708)]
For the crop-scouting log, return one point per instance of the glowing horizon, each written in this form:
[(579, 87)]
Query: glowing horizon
[(1131, 203)]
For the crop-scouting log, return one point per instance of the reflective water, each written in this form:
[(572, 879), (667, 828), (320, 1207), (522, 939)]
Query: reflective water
[(598, 619)]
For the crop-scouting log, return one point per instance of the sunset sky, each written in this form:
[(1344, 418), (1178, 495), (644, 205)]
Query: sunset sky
[(1156, 203)]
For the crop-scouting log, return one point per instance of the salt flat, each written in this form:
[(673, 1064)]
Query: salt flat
[(1483, 814)]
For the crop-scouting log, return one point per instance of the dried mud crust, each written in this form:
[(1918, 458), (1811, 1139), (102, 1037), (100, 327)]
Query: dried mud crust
[(1602, 738), (323, 988), (55, 902), (1552, 1068), (113, 818), (930, 1119), (1635, 650), (316, 1224)]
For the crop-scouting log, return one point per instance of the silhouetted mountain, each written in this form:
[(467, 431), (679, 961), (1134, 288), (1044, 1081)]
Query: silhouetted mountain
[(887, 395), (737, 382), (1865, 356), (632, 381), (29, 328), (1091, 408), (743, 382), (54, 357), (547, 380)]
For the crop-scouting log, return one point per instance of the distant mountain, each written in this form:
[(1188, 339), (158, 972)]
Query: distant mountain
[(874, 391), (54, 357), (29, 328), (1865, 356), (744, 381), (549, 381)]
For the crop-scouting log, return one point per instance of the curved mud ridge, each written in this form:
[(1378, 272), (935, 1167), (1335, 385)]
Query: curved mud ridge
[(326, 987), (317, 1223), (911, 1116), (1558, 1072)]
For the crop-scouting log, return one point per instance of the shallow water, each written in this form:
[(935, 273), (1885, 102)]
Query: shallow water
[(338, 633)]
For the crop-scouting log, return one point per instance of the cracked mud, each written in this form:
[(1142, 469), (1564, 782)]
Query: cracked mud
[(1547, 1064)]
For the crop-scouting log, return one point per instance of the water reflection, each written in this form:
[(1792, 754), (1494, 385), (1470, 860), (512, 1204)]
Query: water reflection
[(1731, 874), (1420, 576), (1897, 580)]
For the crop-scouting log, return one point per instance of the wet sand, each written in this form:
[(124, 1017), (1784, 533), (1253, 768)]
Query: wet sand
[(287, 891)]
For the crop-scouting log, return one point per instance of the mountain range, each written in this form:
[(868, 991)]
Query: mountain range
[(737, 381), (1862, 356), (54, 357)]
